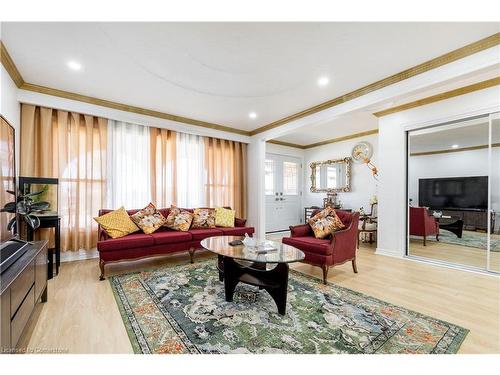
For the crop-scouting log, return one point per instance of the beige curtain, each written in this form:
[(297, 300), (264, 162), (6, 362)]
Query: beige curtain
[(163, 167), (71, 147), (225, 163)]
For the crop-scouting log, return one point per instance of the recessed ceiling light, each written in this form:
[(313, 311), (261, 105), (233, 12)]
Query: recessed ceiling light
[(454, 146), (323, 81), (73, 65), (252, 115)]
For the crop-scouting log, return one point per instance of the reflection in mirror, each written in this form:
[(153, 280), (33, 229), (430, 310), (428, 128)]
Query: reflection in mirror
[(331, 176), (448, 178), (495, 193)]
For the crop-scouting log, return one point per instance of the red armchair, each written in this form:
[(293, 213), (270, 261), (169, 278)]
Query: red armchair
[(338, 249), (423, 224)]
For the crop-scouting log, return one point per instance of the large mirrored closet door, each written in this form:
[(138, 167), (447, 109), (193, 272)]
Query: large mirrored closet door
[(453, 193), (494, 259)]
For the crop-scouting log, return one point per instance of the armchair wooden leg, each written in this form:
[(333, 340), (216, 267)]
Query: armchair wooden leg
[(425, 243), (354, 266), (325, 268), (437, 236), (101, 267)]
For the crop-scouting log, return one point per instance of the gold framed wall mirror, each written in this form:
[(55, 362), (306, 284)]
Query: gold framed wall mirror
[(331, 176)]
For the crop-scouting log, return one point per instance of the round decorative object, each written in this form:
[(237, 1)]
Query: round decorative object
[(361, 152)]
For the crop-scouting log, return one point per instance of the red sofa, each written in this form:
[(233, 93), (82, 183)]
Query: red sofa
[(423, 224), (338, 249), (163, 241)]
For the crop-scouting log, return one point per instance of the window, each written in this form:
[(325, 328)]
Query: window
[(269, 176), (290, 185)]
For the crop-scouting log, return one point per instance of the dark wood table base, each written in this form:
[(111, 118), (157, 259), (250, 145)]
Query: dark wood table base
[(274, 281), (455, 226)]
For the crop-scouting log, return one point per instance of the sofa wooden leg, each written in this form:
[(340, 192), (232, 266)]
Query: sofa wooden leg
[(324, 267), (425, 242), (437, 237), (191, 254), (354, 266), (101, 267)]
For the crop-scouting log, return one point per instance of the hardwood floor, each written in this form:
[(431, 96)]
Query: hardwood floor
[(81, 315), (457, 254)]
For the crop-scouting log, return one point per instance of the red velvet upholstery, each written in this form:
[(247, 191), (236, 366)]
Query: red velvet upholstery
[(422, 223), (338, 249), (163, 241)]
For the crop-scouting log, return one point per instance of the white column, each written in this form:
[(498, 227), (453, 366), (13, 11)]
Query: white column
[(256, 154)]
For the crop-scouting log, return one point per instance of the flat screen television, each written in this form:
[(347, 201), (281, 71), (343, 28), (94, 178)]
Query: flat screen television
[(454, 193)]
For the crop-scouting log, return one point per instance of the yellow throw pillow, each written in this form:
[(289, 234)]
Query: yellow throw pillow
[(224, 217), (148, 219), (204, 218), (325, 223), (117, 223)]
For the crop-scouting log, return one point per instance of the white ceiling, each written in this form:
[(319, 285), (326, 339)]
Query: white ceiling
[(463, 134), (219, 72), (363, 120)]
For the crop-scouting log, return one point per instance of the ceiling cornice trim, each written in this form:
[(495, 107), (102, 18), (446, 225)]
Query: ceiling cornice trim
[(16, 76), (322, 143), (470, 49), (287, 144), (9, 66), (344, 138), (471, 148), (128, 108), (442, 96)]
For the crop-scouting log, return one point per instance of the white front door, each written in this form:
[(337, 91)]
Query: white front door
[(283, 192)]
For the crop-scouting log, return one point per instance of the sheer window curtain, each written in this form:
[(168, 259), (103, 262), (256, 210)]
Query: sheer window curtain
[(129, 161), (226, 174), (190, 171), (163, 167), (72, 147)]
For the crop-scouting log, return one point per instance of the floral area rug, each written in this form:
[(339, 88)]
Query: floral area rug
[(181, 309)]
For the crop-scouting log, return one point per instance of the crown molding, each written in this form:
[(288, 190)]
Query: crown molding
[(9, 66), (127, 108), (471, 148), (470, 49), (443, 96), (447, 58), (287, 144), (322, 143)]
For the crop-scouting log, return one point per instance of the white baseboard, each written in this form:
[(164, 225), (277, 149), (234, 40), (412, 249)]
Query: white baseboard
[(388, 252), (71, 256)]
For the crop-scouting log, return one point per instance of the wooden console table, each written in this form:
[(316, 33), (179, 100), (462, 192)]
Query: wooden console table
[(22, 287)]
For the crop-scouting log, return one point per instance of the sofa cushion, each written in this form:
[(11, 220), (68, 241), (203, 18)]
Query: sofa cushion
[(237, 231), (167, 236), (201, 234), (309, 244), (203, 218), (128, 242), (179, 219), (149, 219), (224, 217), (117, 223)]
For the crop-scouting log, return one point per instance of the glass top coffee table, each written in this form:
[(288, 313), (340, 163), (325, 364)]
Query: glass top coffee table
[(241, 263)]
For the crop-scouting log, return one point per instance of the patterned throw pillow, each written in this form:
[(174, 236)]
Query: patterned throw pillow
[(148, 219), (224, 217), (117, 223), (325, 223), (179, 220), (204, 218)]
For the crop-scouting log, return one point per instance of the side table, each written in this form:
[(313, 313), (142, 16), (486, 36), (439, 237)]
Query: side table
[(50, 222)]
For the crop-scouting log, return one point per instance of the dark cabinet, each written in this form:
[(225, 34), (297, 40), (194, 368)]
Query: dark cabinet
[(473, 219), (23, 286)]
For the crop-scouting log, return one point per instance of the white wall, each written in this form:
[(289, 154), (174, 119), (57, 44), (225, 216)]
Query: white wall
[(364, 186), (392, 158), (9, 106)]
